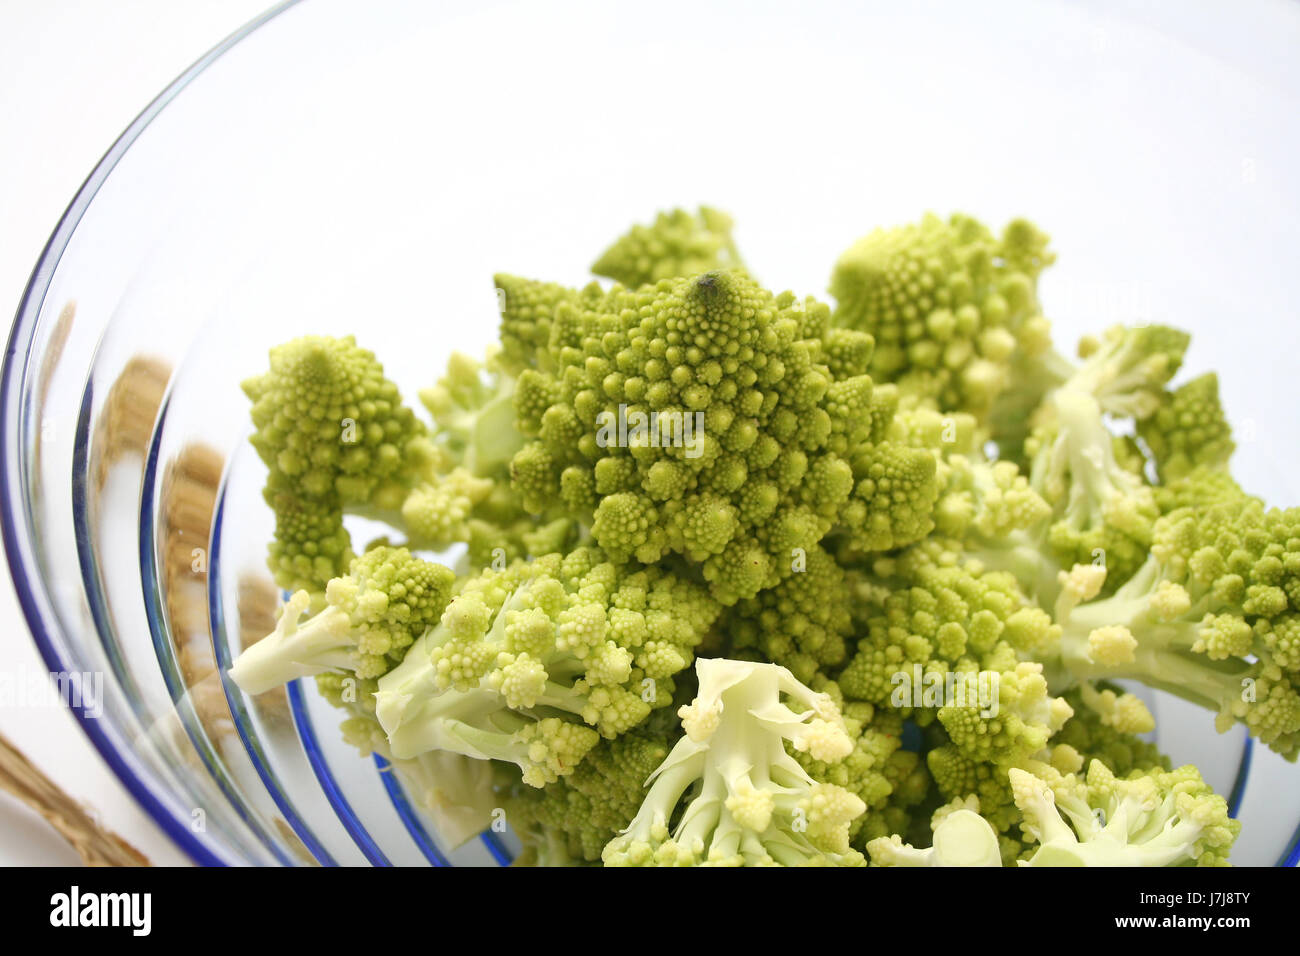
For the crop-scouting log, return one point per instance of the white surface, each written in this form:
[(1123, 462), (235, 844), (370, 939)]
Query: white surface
[(73, 74)]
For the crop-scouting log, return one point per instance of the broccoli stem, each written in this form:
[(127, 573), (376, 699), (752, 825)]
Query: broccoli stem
[(667, 786), (494, 439), (1023, 558), (1083, 452), (1163, 658), (562, 697), (1139, 835), (325, 642), (703, 818), (495, 742), (465, 722), (1170, 846), (476, 723)]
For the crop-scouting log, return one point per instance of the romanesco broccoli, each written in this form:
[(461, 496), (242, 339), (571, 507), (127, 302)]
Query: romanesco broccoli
[(747, 579)]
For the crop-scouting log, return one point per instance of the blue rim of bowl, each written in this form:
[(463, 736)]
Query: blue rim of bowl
[(235, 697), (402, 805), (415, 826), (406, 812), (325, 777), (33, 597), (159, 632), (1238, 792)]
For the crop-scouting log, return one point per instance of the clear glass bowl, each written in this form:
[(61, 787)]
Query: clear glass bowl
[(332, 169)]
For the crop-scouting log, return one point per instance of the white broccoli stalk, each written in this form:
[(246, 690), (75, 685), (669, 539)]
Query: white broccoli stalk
[(1153, 818), (961, 838), (371, 615), (457, 791), (296, 649), (744, 800)]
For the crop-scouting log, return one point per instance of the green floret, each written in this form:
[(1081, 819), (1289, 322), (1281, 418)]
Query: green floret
[(371, 616), (729, 794), (438, 512), (1102, 513), (895, 468), (939, 625), (334, 435), (467, 498), (961, 837), (697, 417), (676, 244), (310, 545), (988, 504), (1211, 617), (1005, 716), (1202, 484), (803, 622), (337, 440), (1089, 736), (1149, 818), (935, 613), (890, 781), (497, 541), (1000, 520), (957, 775), (893, 497), (1127, 369), (945, 434), (528, 308), (526, 661), (473, 413), (571, 820), (997, 721), (1189, 430), (961, 775), (327, 418), (946, 302)]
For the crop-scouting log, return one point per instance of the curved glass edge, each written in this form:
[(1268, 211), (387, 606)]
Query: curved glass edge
[(415, 827), (1292, 856), (500, 852), (407, 814), (23, 566), (235, 697), (325, 777), (159, 628), (91, 581), (1238, 793), (97, 600)]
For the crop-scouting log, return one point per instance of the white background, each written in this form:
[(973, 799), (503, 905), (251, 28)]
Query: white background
[(73, 74)]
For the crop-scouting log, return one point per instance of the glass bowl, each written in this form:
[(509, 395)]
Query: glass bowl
[(337, 170)]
